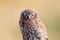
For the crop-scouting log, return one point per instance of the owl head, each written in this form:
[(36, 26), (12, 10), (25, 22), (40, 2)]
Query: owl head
[(28, 14)]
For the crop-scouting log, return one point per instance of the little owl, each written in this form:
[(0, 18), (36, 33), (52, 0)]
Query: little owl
[(32, 27)]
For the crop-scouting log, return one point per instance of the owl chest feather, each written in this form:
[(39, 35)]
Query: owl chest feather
[(29, 31), (33, 30)]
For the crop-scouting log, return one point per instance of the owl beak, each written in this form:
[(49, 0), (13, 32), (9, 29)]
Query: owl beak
[(26, 17), (29, 17)]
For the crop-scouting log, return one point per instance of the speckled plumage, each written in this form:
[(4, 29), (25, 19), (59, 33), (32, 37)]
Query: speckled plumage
[(32, 27)]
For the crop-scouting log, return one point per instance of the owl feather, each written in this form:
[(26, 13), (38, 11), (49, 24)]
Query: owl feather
[(32, 27)]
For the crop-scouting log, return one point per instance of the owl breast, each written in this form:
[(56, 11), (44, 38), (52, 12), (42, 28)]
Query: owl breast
[(29, 32)]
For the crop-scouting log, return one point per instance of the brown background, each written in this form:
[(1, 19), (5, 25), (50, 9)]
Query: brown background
[(49, 11)]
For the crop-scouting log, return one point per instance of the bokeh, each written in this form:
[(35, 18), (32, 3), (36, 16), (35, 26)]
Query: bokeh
[(48, 10)]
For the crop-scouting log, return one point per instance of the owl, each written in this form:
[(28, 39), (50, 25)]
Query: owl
[(32, 27)]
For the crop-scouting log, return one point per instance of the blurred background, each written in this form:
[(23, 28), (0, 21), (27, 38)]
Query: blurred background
[(48, 10)]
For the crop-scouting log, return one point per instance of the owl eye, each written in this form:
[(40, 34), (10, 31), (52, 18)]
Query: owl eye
[(24, 14)]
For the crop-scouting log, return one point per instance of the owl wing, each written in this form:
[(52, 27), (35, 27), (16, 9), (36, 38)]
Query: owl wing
[(41, 30)]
